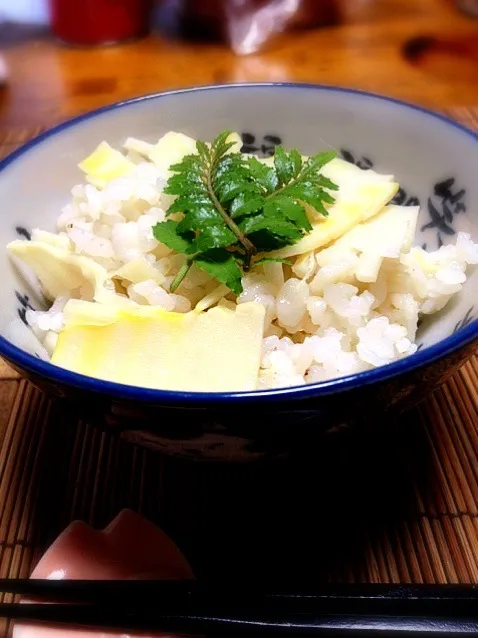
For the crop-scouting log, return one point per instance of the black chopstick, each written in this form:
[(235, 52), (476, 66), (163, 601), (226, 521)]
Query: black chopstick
[(100, 591), (236, 608), (152, 620)]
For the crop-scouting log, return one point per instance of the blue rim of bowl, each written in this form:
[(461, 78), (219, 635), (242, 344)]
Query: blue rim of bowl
[(59, 375)]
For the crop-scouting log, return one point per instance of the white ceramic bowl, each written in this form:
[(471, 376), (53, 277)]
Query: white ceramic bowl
[(434, 159)]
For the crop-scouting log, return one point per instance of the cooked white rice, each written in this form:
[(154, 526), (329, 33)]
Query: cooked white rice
[(323, 319)]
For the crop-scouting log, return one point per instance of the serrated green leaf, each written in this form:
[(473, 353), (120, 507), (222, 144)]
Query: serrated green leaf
[(283, 166), (291, 209), (177, 182), (310, 195), (221, 265), (325, 182), (235, 187), (192, 200), (189, 162), (265, 240), (296, 161), (225, 165), (220, 140), (195, 197), (246, 203), (272, 222), (328, 199), (203, 150), (316, 162), (221, 146), (232, 178), (167, 233), (175, 185), (213, 236), (200, 218), (263, 175)]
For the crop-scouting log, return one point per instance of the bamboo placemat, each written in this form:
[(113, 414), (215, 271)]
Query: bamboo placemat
[(395, 505)]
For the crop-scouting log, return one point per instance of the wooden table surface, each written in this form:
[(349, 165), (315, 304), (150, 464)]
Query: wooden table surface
[(423, 51)]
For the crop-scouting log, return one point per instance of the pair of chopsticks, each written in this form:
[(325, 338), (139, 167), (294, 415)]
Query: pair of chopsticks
[(191, 607)]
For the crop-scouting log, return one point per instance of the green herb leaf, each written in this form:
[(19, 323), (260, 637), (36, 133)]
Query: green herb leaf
[(267, 241), (245, 204), (222, 266), (296, 159), (263, 175), (232, 206), (283, 166), (270, 230), (287, 165), (291, 209), (167, 233), (212, 237)]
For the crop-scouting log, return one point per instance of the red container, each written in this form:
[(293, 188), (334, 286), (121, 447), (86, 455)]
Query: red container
[(89, 22)]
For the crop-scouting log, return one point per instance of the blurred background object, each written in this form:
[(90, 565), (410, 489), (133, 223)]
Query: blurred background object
[(89, 22), (246, 25), (3, 70), (468, 6), (24, 11)]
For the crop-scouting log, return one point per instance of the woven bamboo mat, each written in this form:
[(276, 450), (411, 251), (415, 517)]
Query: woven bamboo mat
[(397, 505)]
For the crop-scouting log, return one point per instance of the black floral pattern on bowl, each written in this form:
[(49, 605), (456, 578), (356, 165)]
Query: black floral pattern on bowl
[(24, 305), (464, 321), (263, 146), (448, 200), (23, 233)]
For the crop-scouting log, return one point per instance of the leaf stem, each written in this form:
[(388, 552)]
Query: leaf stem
[(280, 190), (183, 271), (248, 245)]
